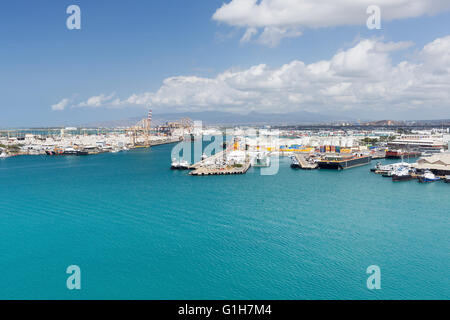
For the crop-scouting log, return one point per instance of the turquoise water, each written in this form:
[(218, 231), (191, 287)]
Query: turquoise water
[(141, 231)]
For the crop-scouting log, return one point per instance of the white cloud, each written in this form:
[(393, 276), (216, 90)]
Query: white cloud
[(98, 101), (61, 105), (362, 78), (286, 18)]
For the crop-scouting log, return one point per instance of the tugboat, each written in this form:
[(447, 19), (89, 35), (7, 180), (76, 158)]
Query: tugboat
[(428, 176), (377, 167), (402, 174)]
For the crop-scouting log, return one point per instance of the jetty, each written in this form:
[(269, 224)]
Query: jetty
[(208, 160), (303, 163), (228, 170)]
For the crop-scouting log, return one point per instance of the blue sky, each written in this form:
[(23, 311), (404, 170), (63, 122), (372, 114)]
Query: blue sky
[(131, 47)]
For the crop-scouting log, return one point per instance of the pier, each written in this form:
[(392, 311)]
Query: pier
[(210, 159), (213, 171), (304, 164)]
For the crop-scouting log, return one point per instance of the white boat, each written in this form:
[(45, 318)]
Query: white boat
[(184, 165), (3, 155), (175, 164), (428, 176), (294, 162), (179, 165), (402, 174), (389, 168), (70, 151)]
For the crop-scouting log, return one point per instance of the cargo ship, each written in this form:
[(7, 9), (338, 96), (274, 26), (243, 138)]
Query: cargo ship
[(340, 162), (399, 154)]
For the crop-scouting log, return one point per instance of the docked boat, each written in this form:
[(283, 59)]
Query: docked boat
[(401, 154), (3, 155), (294, 162), (447, 179), (402, 174), (388, 174), (175, 164), (388, 169), (184, 165), (70, 152), (179, 165), (428, 176), (376, 168), (54, 152), (340, 162)]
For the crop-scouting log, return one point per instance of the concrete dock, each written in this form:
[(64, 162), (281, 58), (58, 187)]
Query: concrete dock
[(207, 160), (211, 171), (304, 164)]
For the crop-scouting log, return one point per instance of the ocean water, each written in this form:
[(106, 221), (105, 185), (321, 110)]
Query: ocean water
[(138, 230)]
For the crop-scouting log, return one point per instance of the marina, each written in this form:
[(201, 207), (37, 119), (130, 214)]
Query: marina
[(71, 141), (426, 169)]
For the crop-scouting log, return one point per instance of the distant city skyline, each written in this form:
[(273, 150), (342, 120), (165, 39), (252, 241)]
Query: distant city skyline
[(237, 57)]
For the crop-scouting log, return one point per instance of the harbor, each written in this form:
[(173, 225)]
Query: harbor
[(328, 151), (244, 148), (130, 206)]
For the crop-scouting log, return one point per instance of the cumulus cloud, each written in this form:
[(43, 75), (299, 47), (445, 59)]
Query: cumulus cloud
[(98, 101), (279, 19), (361, 78), (61, 105)]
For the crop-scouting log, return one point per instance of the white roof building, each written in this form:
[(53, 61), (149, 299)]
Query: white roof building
[(439, 162)]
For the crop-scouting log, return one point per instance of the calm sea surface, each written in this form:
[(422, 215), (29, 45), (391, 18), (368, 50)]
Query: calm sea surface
[(141, 231)]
